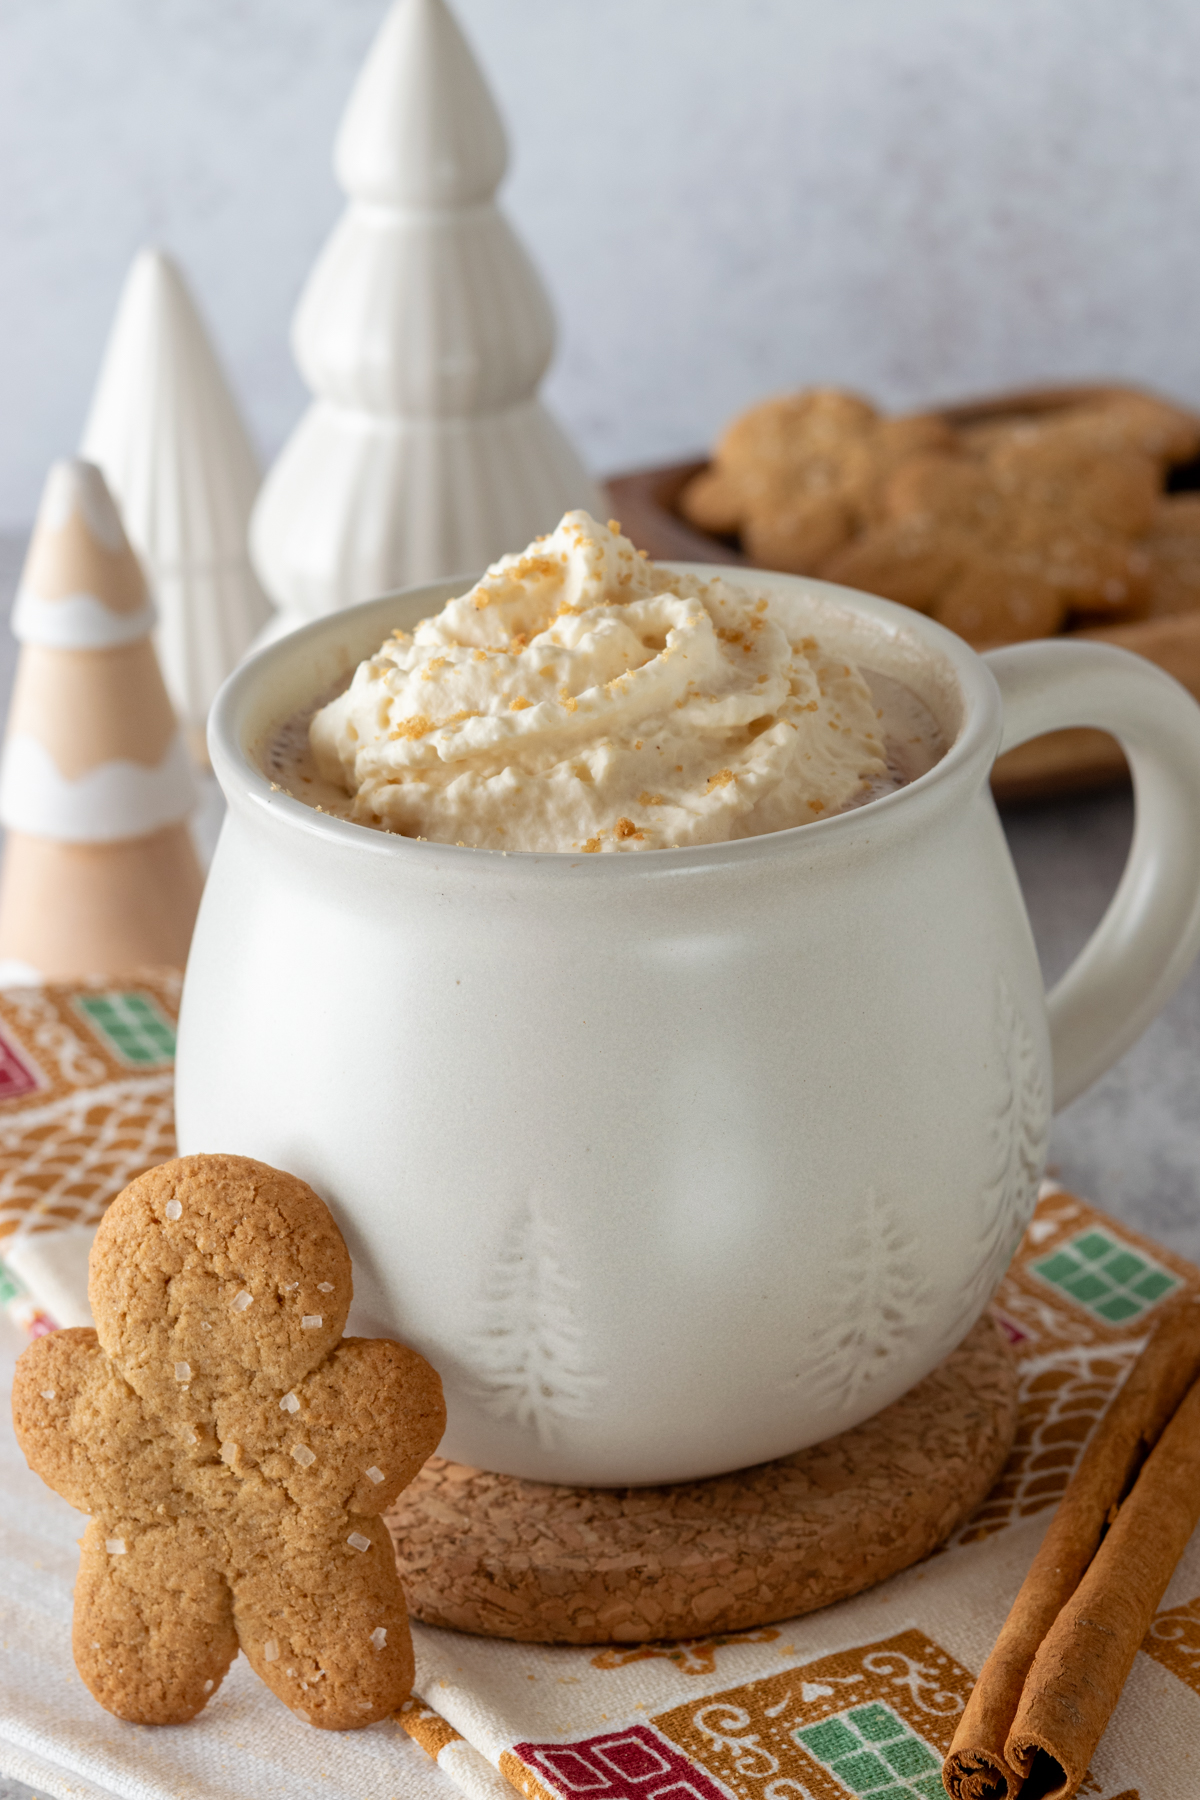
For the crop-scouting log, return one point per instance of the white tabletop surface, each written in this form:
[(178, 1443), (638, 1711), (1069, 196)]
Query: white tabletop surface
[(1132, 1144)]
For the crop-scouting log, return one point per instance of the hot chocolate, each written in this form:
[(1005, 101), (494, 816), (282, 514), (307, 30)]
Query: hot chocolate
[(674, 1163), (579, 698)]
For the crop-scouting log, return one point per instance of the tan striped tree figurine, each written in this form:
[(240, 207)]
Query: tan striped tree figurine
[(100, 873)]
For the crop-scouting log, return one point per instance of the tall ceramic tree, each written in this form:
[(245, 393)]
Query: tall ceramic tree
[(165, 429), (424, 332)]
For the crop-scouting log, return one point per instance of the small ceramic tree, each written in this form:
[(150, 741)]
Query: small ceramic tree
[(424, 332), (100, 874), (165, 430)]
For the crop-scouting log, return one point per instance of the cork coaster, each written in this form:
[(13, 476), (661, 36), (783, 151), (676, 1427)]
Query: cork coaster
[(501, 1557)]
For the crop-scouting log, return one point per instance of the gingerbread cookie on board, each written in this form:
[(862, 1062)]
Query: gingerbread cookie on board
[(234, 1450), (1002, 528), (799, 475), (1173, 545)]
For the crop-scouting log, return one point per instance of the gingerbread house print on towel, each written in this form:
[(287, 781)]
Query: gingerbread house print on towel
[(1077, 1304), (97, 1104), (875, 1719), (1173, 1640), (636, 1764), (19, 1074)]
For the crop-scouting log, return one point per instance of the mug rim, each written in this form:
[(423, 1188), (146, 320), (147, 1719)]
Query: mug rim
[(978, 738)]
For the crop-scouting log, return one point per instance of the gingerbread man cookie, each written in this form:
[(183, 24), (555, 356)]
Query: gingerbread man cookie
[(798, 476), (1011, 535), (1173, 545), (235, 1452), (1003, 527)]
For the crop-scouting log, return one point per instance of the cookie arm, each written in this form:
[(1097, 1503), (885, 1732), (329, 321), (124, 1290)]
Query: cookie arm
[(52, 1376), (82, 1429), (370, 1416), (402, 1395)]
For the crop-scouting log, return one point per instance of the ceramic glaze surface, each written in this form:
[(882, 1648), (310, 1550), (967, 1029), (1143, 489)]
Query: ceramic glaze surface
[(675, 1163), (165, 428)]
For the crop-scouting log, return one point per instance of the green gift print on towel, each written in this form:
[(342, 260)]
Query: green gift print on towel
[(1105, 1276), (132, 1025), (873, 1752)]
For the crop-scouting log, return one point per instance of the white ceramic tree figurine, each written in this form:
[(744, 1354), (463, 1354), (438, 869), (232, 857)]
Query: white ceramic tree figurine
[(424, 332), (166, 431)]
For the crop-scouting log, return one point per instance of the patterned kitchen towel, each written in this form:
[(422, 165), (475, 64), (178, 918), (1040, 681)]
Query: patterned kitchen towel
[(860, 1699), (86, 1103)]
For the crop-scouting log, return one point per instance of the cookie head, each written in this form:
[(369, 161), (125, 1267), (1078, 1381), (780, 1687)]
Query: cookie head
[(212, 1274)]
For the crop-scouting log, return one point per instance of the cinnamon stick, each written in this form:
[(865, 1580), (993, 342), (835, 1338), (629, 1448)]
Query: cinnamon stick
[(977, 1766), (1086, 1656)]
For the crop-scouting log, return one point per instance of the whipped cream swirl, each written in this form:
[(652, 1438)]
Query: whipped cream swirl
[(580, 698)]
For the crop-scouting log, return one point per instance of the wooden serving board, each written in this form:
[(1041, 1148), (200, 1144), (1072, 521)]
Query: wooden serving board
[(500, 1557), (646, 501)]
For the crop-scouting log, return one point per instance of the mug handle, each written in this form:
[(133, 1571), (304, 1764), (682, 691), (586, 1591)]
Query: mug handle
[(1144, 944)]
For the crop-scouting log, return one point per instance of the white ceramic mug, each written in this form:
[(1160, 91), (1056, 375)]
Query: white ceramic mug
[(677, 1161)]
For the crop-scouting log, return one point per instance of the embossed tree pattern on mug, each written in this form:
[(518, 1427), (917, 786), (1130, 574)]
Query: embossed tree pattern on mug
[(879, 1297), (1019, 1127), (529, 1363)]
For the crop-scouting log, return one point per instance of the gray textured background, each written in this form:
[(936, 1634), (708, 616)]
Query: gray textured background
[(725, 196)]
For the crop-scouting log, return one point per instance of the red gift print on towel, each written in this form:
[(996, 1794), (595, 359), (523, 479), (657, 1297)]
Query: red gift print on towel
[(16, 1076)]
